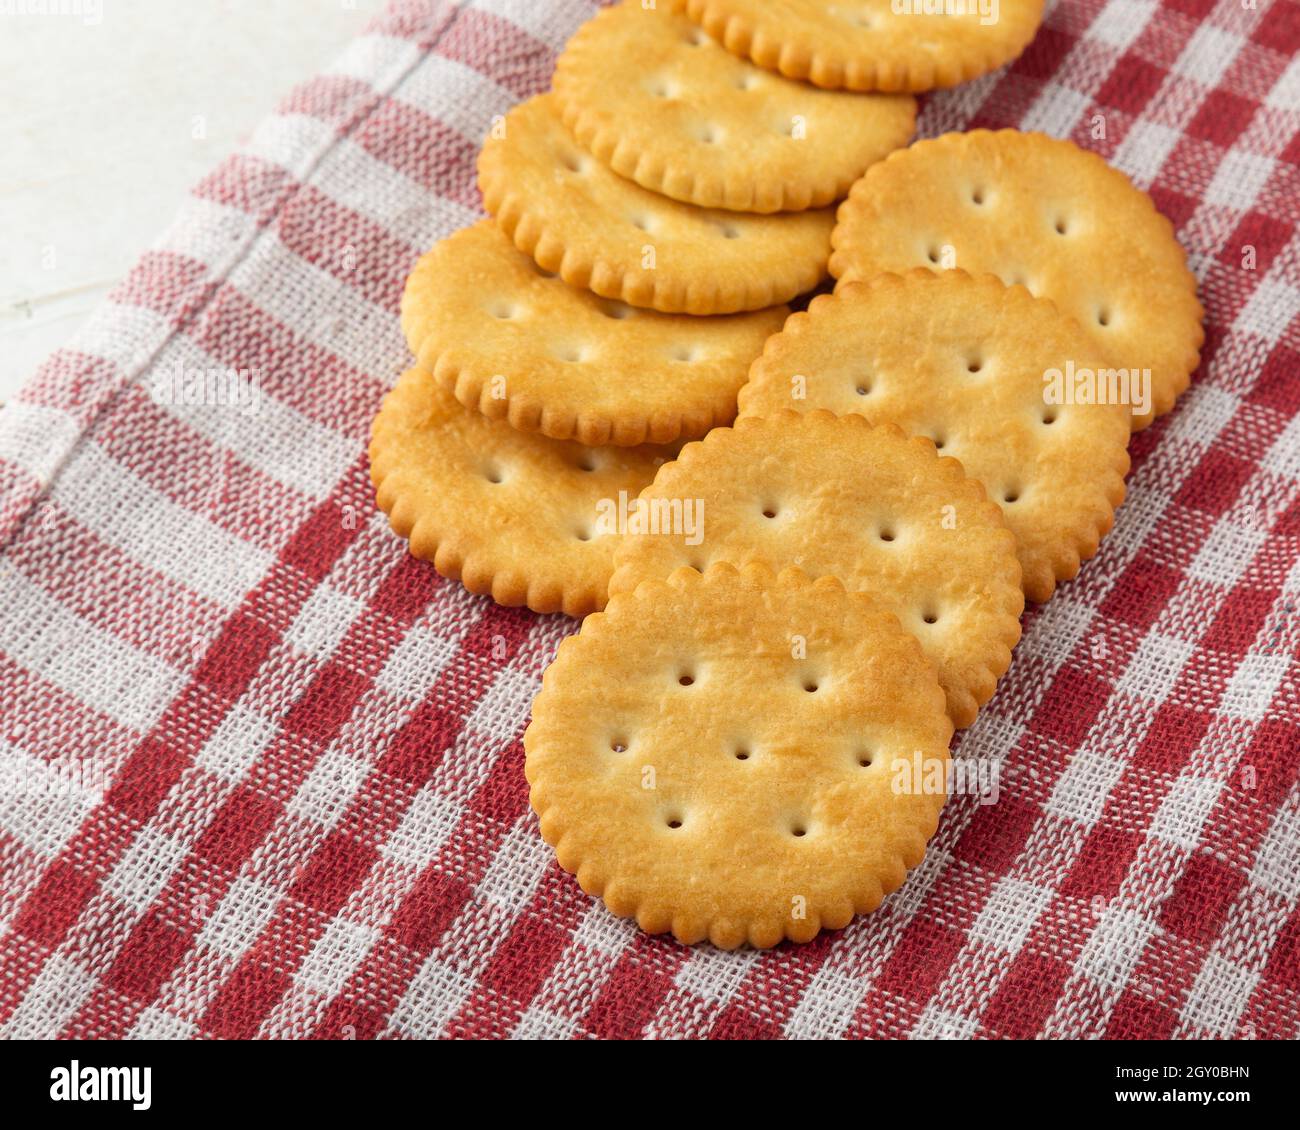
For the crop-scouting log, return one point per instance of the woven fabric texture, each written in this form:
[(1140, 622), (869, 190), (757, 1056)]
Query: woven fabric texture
[(263, 772)]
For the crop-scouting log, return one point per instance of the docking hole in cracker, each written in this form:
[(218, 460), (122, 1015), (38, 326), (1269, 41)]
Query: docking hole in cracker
[(518, 345), (872, 44), (519, 517), (1048, 216), (980, 370), (739, 756), (696, 123), (838, 497), (578, 218)]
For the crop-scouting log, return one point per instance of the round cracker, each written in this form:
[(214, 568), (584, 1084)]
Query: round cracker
[(518, 344), (508, 514), (1046, 214), (871, 44), (962, 361), (838, 497), (598, 230), (720, 756), (699, 124)]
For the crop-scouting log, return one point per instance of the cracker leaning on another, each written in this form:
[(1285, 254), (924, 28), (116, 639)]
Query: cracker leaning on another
[(517, 343), (700, 125), (1048, 216), (577, 217), (719, 756), (963, 361), (509, 514), (882, 512), (872, 44)]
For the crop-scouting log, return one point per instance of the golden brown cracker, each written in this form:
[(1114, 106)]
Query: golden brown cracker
[(975, 367), (515, 516), (739, 757), (1047, 215), (696, 123), (597, 230), (836, 496), (517, 344), (872, 44)]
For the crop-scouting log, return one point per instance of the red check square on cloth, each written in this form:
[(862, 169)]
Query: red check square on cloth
[(262, 770)]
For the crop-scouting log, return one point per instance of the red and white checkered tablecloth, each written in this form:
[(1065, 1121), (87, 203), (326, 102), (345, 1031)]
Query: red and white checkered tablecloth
[(262, 772)]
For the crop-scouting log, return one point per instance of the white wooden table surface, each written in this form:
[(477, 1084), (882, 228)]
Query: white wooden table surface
[(111, 112)]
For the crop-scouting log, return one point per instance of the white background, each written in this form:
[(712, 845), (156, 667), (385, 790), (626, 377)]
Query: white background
[(108, 117)]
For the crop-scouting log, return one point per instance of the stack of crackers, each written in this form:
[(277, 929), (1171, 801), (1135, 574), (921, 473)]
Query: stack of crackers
[(812, 533)]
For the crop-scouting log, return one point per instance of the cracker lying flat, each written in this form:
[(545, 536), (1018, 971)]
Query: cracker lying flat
[(836, 496), (520, 345), (508, 514), (701, 125), (962, 361), (872, 44), (719, 756), (577, 217), (1044, 213)]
